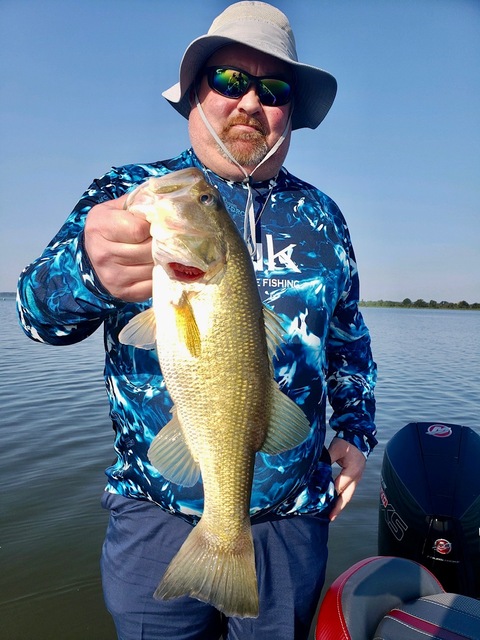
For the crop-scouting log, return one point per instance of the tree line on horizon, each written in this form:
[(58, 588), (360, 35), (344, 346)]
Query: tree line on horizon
[(407, 303)]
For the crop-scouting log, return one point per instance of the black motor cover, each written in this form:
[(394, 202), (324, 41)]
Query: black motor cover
[(430, 502)]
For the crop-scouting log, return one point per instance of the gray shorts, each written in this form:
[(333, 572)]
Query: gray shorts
[(141, 540)]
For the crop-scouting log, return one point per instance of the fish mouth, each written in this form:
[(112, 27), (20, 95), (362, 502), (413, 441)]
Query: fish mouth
[(185, 273)]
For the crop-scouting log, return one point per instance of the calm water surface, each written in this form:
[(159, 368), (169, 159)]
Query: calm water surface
[(56, 440)]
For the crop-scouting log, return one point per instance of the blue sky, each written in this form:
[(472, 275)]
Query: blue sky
[(80, 91)]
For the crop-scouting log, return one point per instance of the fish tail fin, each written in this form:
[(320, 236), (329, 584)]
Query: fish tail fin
[(205, 569)]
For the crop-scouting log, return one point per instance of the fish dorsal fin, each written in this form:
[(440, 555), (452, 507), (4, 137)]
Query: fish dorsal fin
[(288, 425), (274, 331), (188, 331), (140, 332), (170, 455)]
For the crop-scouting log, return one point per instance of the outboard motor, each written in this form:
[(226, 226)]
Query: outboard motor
[(430, 502)]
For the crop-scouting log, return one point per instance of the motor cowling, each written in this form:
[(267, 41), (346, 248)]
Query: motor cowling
[(429, 508)]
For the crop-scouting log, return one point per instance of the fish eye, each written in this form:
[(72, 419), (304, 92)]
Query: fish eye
[(207, 198)]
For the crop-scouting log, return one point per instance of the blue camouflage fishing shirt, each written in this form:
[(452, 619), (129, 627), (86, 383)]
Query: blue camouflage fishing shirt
[(306, 273)]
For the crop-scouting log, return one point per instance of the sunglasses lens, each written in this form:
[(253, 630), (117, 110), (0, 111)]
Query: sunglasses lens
[(274, 92), (229, 83), (233, 83)]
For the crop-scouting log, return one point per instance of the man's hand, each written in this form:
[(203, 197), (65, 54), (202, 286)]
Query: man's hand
[(119, 247), (353, 463)]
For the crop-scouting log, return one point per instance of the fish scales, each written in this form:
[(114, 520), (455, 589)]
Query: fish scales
[(213, 352)]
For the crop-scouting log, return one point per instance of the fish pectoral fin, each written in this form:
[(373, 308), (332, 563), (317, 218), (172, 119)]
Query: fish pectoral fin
[(274, 331), (188, 331), (140, 332), (170, 455), (288, 425)]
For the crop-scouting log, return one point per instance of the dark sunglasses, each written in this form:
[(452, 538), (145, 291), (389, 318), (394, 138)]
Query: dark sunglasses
[(234, 83)]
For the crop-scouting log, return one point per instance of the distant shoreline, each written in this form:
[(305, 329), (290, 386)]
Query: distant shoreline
[(463, 305), (405, 304)]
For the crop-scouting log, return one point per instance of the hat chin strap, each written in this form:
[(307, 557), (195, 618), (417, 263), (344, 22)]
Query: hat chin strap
[(249, 225)]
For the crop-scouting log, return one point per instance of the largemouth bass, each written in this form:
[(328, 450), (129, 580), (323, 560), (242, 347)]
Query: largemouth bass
[(215, 343)]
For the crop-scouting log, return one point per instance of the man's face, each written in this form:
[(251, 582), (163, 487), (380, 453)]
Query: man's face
[(246, 127)]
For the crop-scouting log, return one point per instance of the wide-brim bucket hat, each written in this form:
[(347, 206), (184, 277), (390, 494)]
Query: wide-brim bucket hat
[(264, 28)]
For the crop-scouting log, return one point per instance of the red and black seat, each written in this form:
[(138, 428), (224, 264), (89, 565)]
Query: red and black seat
[(390, 598)]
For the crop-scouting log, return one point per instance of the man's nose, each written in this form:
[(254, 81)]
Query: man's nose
[(250, 102)]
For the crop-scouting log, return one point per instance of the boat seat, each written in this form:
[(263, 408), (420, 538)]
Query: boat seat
[(446, 616), (361, 596)]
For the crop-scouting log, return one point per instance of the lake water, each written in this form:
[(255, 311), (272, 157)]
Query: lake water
[(56, 440)]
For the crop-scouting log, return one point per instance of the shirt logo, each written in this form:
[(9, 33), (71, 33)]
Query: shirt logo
[(276, 260)]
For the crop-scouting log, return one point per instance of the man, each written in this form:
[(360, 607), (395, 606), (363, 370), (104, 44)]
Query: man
[(243, 92)]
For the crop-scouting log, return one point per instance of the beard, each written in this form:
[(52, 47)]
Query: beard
[(248, 148)]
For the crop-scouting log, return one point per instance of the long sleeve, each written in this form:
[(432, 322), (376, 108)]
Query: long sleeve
[(351, 374), (60, 299)]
